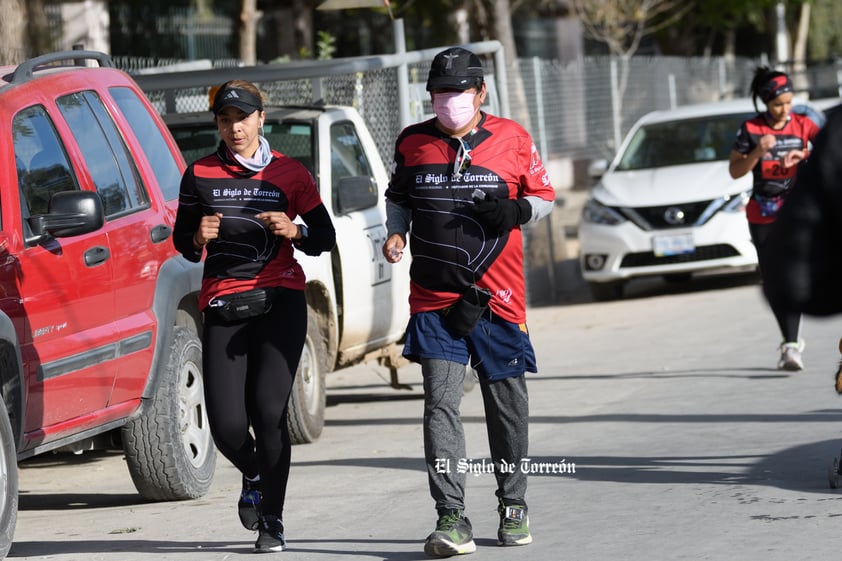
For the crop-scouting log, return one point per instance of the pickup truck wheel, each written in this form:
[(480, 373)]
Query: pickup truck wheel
[(169, 448), (8, 483), (306, 416)]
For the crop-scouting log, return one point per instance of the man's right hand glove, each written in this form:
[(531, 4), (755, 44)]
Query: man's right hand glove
[(502, 215)]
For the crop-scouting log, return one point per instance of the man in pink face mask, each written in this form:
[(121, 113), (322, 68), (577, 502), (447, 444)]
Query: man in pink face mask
[(462, 185), (456, 99)]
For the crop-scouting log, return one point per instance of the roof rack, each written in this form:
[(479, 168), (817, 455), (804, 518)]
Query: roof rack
[(25, 70)]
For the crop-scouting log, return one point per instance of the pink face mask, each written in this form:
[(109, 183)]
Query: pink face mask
[(454, 109)]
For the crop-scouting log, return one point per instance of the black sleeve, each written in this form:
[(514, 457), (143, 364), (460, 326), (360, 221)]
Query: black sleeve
[(396, 191), (187, 219), (322, 235), (802, 262)]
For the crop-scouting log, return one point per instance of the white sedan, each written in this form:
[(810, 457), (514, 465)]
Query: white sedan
[(666, 204)]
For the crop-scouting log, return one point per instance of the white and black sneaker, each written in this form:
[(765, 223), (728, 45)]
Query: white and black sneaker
[(271, 535), (791, 356)]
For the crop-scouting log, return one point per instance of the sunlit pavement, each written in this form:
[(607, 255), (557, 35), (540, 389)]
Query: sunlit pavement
[(687, 443)]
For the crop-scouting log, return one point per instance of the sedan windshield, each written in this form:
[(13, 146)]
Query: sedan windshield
[(681, 142)]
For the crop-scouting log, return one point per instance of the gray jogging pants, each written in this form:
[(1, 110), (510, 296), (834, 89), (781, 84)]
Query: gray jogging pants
[(507, 422)]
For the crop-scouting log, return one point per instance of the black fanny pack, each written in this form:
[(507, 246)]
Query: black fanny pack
[(242, 305), (462, 317)]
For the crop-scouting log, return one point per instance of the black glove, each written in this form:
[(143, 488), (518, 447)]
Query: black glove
[(502, 215)]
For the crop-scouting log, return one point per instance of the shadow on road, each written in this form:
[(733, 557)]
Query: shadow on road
[(76, 501), (749, 373), (379, 548), (802, 468), (571, 288)]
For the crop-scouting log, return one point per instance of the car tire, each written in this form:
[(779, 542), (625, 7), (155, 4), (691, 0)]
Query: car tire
[(169, 448), (8, 482), (307, 402), (606, 291)]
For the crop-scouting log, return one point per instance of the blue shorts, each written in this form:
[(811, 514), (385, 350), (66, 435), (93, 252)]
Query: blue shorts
[(497, 348)]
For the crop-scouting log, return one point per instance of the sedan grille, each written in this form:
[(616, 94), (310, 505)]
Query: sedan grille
[(702, 253), (670, 216)]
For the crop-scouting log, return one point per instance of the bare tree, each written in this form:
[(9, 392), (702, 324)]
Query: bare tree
[(621, 25), (494, 20)]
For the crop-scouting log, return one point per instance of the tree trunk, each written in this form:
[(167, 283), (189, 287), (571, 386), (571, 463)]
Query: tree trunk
[(459, 21), (302, 15), (204, 8), (730, 47), (13, 39), (38, 32), (502, 20), (248, 32), (799, 51), (729, 90), (503, 26)]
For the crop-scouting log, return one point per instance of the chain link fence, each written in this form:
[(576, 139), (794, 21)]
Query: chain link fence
[(576, 111), (585, 109)]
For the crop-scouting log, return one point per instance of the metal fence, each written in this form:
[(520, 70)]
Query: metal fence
[(583, 110), (575, 111)]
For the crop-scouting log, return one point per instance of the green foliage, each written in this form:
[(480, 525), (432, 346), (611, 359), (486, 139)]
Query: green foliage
[(325, 45), (825, 39), (730, 14), (427, 22)]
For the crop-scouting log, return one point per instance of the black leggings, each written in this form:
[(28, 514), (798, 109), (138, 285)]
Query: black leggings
[(788, 322), (249, 368)]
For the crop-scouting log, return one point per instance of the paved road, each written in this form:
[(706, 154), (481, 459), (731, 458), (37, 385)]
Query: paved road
[(687, 444)]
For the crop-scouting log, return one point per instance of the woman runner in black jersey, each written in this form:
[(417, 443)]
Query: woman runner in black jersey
[(237, 206), (771, 146)]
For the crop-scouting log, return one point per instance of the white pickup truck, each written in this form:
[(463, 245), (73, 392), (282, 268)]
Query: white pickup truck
[(358, 303)]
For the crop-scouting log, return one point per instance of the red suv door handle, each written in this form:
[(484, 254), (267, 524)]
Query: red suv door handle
[(96, 256), (160, 233)]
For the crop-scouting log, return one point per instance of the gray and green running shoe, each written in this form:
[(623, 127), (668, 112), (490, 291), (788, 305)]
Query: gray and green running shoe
[(453, 536), (514, 524)]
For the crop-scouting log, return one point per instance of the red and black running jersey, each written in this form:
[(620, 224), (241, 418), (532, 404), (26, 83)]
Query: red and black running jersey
[(450, 248), (771, 179), (246, 255)]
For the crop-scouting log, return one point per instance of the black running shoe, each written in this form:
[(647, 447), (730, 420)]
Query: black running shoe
[(248, 507), (271, 536)]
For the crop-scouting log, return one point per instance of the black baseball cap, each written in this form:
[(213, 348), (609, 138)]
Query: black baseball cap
[(455, 69), (236, 97)]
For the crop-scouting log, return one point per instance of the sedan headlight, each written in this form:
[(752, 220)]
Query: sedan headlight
[(737, 203), (597, 213)]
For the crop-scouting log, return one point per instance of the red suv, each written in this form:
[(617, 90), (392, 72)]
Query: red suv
[(99, 325)]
